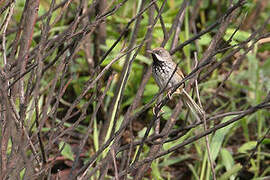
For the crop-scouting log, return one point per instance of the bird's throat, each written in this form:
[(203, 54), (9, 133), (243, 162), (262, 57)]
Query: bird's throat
[(156, 61)]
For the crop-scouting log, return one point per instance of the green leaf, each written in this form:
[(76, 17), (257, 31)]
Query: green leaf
[(175, 160), (239, 35), (155, 170), (227, 160), (22, 173), (142, 132), (166, 112), (150, 89), (232, 172), (247, 146), (205, 39), (266, 67), (144, 59), (218, 138), (194, 171), (66, 152), (128, 101), (95, 135), (171, 144), (266, 141)]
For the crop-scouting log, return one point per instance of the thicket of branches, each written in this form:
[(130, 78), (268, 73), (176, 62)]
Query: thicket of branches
[(76, 89)]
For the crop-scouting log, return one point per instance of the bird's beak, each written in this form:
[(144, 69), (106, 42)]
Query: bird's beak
[(150, 51)]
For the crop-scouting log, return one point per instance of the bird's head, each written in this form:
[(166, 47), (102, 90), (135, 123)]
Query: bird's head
[(160, 54)]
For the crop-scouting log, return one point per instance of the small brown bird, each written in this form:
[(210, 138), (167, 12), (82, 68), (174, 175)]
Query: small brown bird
[(163, 68)]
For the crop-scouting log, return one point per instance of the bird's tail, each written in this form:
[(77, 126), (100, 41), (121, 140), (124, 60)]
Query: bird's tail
[(193, 106)]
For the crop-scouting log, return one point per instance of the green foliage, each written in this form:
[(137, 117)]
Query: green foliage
[(247, 147), (66, 150)]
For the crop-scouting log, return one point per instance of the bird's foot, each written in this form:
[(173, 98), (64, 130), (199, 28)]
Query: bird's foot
[(170, 94)]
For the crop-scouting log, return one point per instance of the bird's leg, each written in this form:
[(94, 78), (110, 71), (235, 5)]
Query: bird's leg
[(170, 94)]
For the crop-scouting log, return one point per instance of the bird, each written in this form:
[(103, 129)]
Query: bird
[(167, 75)]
